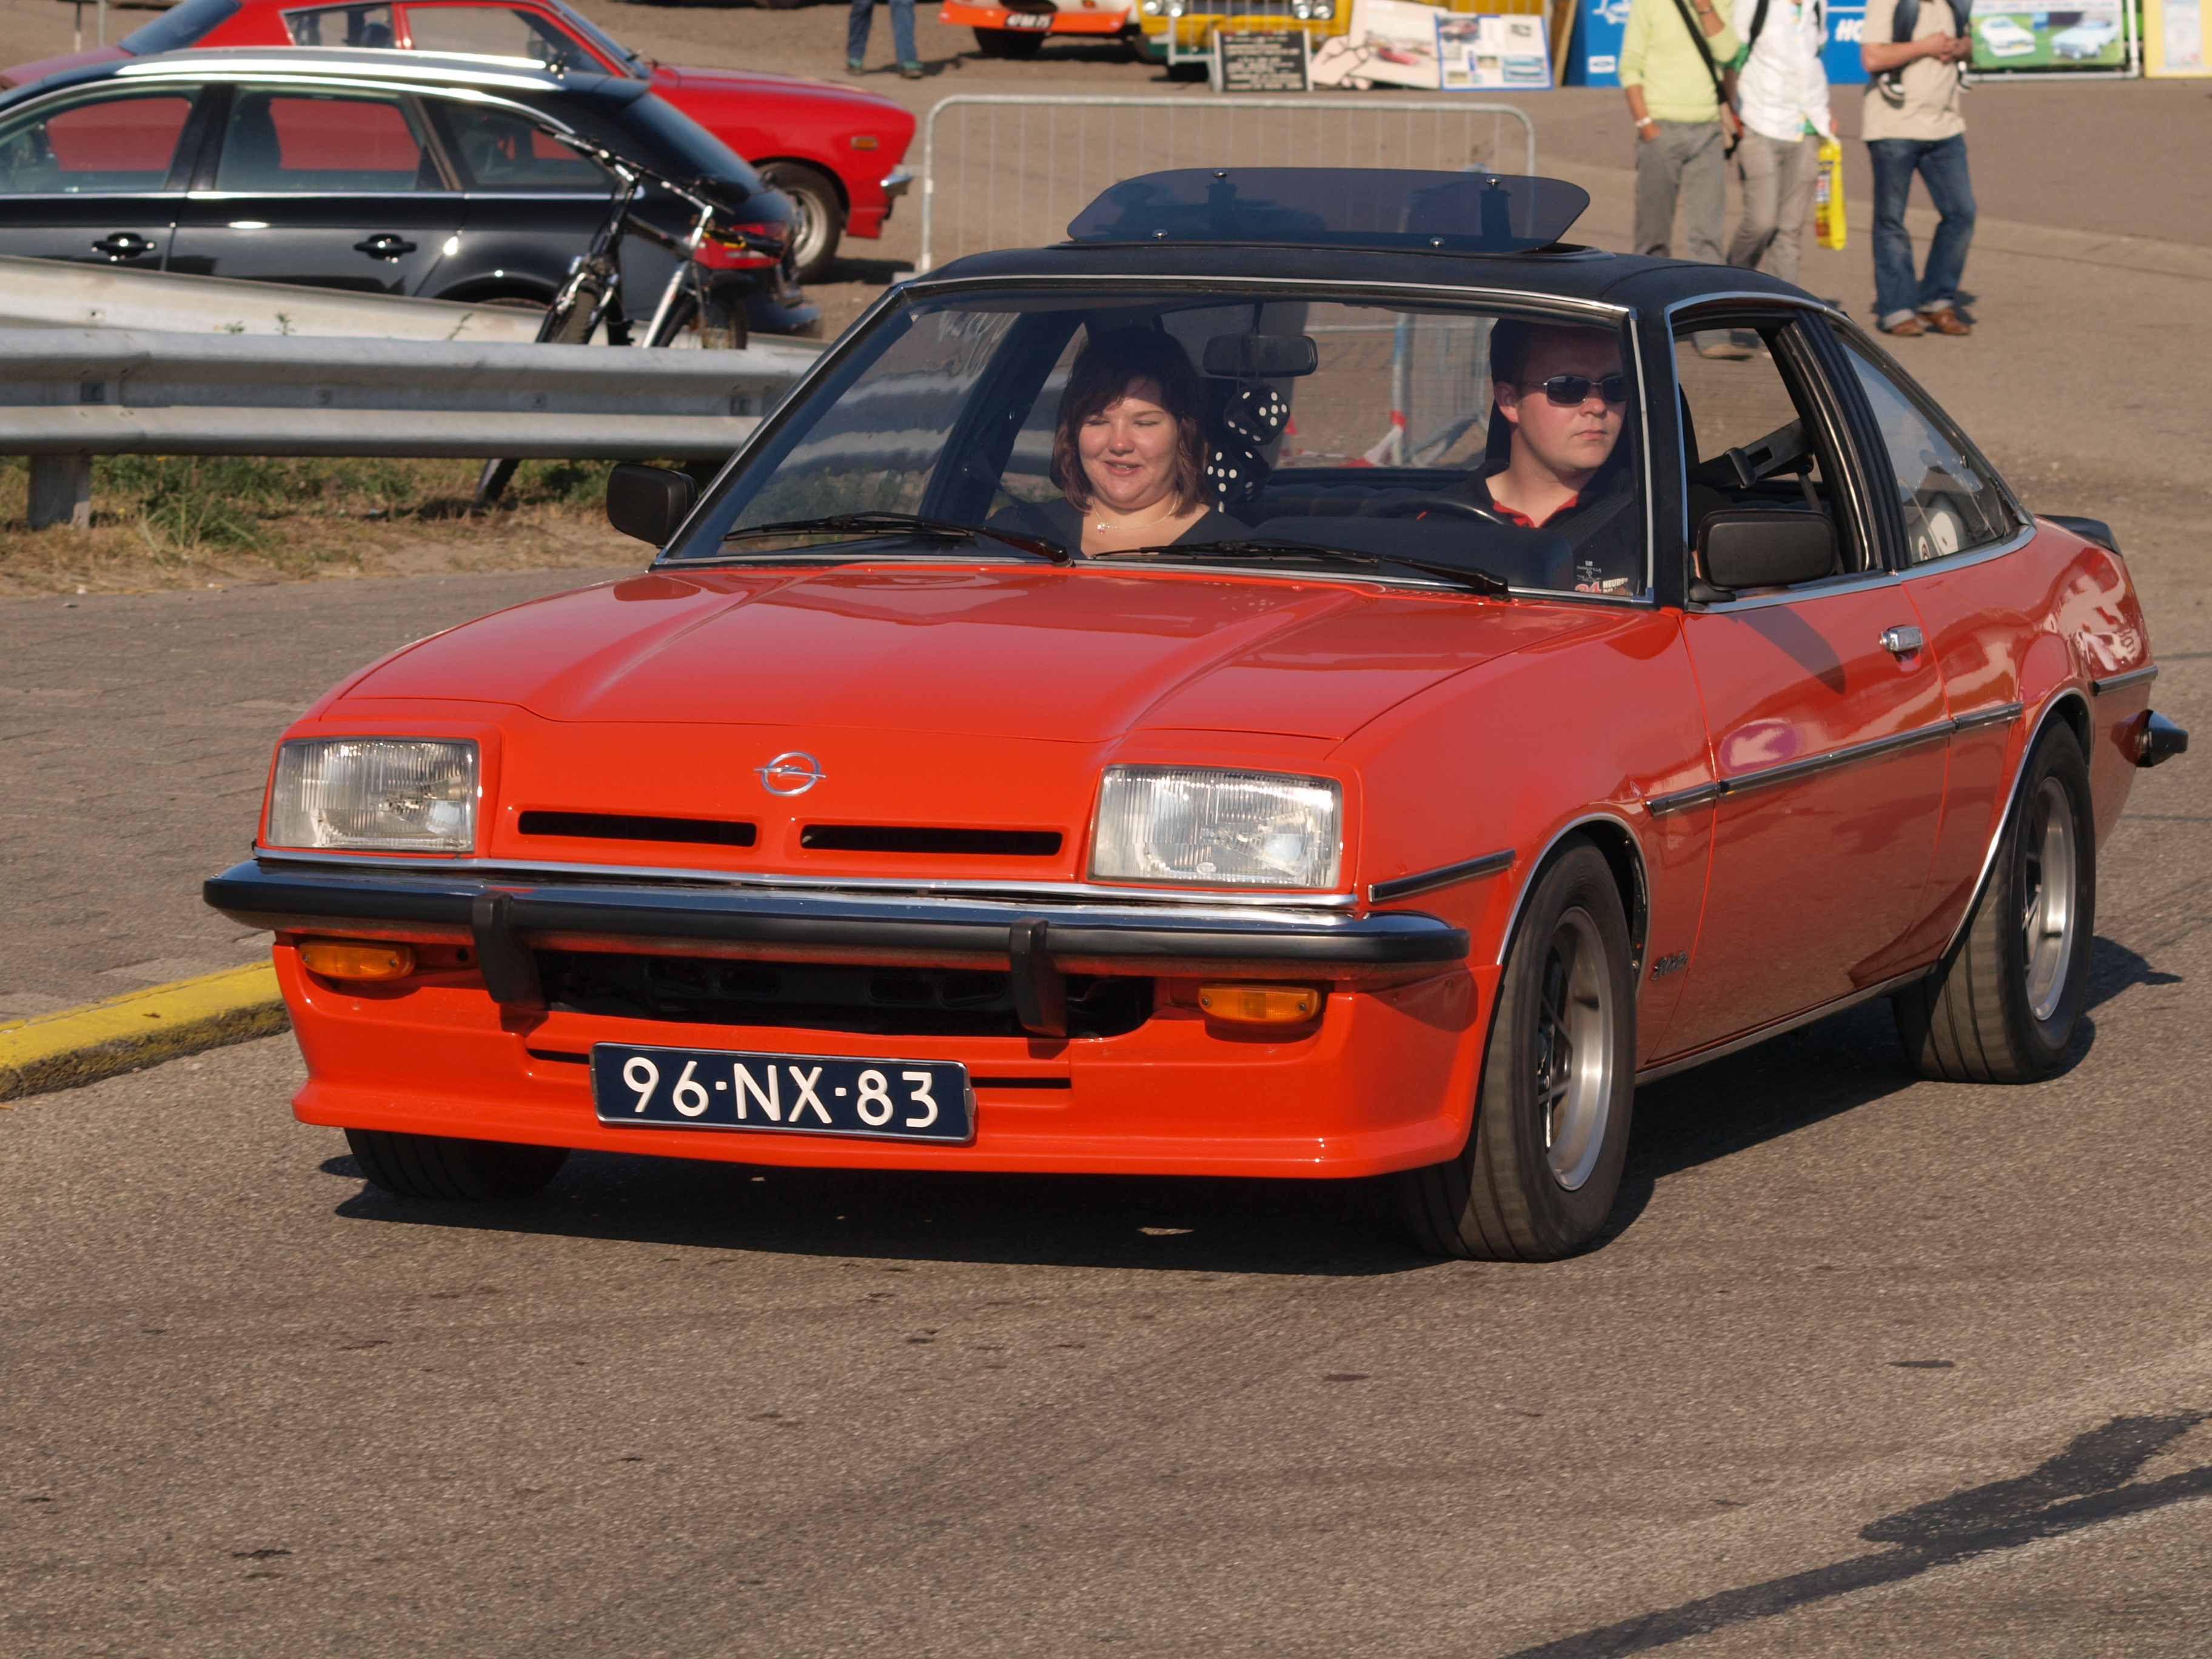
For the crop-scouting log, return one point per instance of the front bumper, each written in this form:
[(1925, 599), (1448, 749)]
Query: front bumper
[(1382, 1082)]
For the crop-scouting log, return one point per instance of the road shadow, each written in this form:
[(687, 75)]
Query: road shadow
[(1335, 1229)]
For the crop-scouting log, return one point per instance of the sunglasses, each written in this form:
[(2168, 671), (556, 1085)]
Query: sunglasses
[(1568, 390)]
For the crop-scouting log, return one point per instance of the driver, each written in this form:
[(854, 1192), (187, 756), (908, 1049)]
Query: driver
[(1560, 391)]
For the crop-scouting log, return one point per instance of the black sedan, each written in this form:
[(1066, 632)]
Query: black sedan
[(467, 179)]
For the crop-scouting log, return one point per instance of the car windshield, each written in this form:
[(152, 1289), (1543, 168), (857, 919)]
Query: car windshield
[(598, 37), (1299, 432), (179, 27)]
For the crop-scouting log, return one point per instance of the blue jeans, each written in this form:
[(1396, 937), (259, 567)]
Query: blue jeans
[(1941, 165), (864, 13)]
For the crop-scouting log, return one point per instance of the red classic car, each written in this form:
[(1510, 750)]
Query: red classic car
[(834, 151), (1311, 676)]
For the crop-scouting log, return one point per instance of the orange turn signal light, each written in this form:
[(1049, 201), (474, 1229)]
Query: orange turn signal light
[(1260, 1005), (335, 959)]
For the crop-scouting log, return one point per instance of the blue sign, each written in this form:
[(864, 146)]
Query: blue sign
[(1595, 59)]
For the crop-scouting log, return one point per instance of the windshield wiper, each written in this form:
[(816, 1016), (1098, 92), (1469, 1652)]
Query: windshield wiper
[(902, 523), (1481, 581)]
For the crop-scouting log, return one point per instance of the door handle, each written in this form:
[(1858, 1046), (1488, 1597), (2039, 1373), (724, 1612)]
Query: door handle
[(386, 246), (1902, 640), (123, 245)]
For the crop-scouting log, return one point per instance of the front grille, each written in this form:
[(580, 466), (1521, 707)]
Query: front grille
[(618, 826), (825, 996), (903, 838)]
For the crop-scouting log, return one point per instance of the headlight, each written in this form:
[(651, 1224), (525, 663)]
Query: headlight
[(1151, 7), (1224, 828), (375, 794)]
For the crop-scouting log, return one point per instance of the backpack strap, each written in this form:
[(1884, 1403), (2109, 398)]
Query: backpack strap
[(1758, 23), (1713, 69)]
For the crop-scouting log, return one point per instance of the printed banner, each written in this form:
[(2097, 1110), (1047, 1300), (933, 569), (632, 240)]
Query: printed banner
[(2089, 35), (1595, 60), (1391, 43), (2173, 37), (1492, 52)]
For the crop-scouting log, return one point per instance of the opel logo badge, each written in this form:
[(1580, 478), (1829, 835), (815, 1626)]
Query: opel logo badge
[(791, 772)]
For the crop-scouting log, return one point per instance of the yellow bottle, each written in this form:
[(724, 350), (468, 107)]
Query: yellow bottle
[(1828, 195)]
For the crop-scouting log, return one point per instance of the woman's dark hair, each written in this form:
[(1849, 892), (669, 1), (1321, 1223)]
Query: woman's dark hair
[(1104, 370)]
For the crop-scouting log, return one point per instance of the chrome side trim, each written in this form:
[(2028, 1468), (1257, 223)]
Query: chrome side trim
[(1796, 771), (2004, 715), (1790, 1022), (2004, 822), (1683, 799), (1950, 562), (1445, 875), (2121, 681), (1077, 891), (1536, 863), (1854, 582)]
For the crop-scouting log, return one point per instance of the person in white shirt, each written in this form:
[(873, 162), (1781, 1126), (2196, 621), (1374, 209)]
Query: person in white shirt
[(1782, 94)]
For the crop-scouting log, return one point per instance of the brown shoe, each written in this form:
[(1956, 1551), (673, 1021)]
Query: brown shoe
[(1906, 329), (1946, 321)]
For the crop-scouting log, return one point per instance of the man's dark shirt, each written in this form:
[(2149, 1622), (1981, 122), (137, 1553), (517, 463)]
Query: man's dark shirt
[(1601, 524)]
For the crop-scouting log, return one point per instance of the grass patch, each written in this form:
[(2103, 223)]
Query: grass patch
[(163, 521)]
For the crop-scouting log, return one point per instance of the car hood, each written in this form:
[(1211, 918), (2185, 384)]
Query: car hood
[(671, 77), (1027, 653)]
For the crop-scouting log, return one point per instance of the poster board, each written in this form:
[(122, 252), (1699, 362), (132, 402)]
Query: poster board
[(2174, 38), (2090, 36), (1391, 43), (1262, 60), (1494, 53)]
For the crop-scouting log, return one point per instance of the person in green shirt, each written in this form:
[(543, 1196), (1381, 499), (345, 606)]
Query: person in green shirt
[(1676, 83)]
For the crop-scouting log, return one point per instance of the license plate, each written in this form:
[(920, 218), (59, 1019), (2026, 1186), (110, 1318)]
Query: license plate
[(790, 1094), (1028, 20)]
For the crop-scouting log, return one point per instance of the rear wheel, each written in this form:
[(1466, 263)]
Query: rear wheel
[(438, 1166), (1543, 1161), (1009, 42), (820, 219), (2003, 1006)]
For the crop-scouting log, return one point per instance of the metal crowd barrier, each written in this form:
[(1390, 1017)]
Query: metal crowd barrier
[(1010, 170), (69, 394)]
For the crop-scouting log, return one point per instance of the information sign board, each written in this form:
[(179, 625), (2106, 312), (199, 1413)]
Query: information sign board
[(1262, 60)]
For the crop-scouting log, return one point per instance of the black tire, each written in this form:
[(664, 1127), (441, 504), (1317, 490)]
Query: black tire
[(2003, 1006), (1009, 42), (1537, 1179), (821, 223), (437, 1166)]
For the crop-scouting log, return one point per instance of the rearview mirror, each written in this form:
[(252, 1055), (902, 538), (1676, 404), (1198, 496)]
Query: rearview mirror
[(648, 502), (1766, 548), (1260, 356)]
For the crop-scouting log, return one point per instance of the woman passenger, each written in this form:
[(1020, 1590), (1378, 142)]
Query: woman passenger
[(1129, 453)]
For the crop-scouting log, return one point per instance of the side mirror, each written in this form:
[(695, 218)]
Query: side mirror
[(1766, 548), (648, 502)]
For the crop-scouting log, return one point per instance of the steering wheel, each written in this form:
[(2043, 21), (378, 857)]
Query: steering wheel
[(1413, 507)]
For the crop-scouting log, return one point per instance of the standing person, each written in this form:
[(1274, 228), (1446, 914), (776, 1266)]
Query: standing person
[(1677, 58), (1784, 110), (856, 37), (1912, 124)]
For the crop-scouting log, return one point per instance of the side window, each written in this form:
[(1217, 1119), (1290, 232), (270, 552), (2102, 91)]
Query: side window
[(297, 141), (94, 147), (341, 26), (1951, 505), (500, 150), (1755, 438), (496, 32)]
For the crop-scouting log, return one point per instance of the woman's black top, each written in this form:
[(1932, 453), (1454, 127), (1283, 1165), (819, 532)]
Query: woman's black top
[(1057, 520)]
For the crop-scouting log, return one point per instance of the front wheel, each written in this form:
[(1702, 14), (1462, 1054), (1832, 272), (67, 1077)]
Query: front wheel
[(1009, 42), (818, 220), (439, 1166), (2002, 1007), (1543, 1161)]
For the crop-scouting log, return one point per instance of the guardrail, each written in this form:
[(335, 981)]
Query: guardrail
[(63, 293), (69, 394), (1018, 166)]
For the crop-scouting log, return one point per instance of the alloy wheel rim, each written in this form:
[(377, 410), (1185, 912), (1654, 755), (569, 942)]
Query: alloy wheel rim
[(1574, 1049), (2047, 920), (806, 233)]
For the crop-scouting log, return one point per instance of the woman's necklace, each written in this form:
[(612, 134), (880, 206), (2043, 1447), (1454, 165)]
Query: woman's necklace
[(1162, 517)]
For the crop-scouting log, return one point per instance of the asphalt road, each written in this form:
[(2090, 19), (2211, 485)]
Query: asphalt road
[(1869, 1367)]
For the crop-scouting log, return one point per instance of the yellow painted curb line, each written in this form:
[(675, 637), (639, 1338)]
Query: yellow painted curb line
[(139, 1028)]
